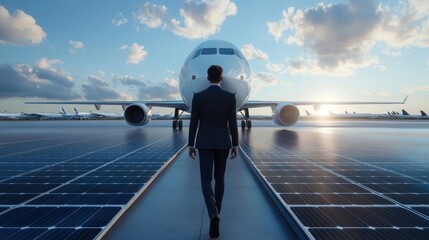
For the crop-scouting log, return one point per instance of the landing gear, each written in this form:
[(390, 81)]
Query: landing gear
[(176, 122), (246, 123)]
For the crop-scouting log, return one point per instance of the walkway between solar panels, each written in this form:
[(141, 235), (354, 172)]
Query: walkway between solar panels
[(173, 207)]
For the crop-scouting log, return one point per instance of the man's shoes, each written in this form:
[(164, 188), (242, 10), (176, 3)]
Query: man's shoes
[(214, 227)]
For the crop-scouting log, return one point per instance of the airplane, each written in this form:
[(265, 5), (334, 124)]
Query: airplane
[(84, 114), (354, 115), (16, 116), (422, 115), (237, 78), (62, 114), (96, 115)]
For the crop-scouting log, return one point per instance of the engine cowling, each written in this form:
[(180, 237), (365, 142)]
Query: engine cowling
[(285, 114), (137, 114)]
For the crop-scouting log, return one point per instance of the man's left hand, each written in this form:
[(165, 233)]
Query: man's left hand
[(192, 152)]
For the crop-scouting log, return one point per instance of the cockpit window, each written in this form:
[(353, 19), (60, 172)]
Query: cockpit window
[(238, 53), (196, 54), (209, 51), (226, 51)]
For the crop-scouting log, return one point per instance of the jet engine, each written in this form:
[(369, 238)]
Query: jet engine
[(137, 114), (285, 114)]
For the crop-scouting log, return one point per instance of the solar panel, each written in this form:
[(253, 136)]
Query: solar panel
[(343, 184), (73, 186)]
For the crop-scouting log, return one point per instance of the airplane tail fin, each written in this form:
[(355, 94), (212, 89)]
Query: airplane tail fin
[(63, 111), (308, 113), (423, 113), (75, 111), (405, 113)]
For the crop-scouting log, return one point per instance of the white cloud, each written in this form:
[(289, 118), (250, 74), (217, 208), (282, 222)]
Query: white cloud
[(42, 80), (274, 67), (340, 37), (127, 80), (152, 15), (391, 52), (406, 25), (95, 88), (137, 54), (167, 90), (250, 52), (381, 68), (200, 18), (75, 46), (19, 28), (414, 89), (262, 80), (384, 94), (119, 19), (312, 67)]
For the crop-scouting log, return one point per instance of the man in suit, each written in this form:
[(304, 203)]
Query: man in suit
[(214, 115)]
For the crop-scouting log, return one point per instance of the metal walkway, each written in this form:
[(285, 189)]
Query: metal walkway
[(173, 207)]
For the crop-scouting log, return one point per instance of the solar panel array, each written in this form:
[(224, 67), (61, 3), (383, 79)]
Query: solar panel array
[(72, 186), (343, 184)]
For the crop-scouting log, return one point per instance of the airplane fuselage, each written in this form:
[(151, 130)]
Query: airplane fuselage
[(237, 74)]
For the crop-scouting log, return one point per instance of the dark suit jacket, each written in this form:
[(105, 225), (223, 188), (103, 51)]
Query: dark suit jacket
[(214, 115)]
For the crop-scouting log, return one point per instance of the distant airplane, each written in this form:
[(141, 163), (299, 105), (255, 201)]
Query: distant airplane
[(16, 116), (84, 114), (96, 115), (62, 114), (422, 115), (354, 115), (237, 78)]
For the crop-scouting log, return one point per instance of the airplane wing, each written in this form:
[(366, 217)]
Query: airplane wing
[(316, 104), (167, 104)]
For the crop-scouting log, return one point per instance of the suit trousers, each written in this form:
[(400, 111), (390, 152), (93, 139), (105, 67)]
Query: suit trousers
[(208, 159)]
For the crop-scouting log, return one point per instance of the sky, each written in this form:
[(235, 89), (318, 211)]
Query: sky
[(356, 50)]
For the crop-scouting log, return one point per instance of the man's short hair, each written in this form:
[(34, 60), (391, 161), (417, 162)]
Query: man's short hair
[(214, 73)]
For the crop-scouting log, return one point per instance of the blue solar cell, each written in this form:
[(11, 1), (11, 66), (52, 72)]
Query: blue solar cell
[(102, 217), (26, 234), (14, 199), (84, 233), (57, 233), (78, 217)]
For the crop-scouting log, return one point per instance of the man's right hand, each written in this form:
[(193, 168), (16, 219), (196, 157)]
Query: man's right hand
[(192, 152), (233, 152)]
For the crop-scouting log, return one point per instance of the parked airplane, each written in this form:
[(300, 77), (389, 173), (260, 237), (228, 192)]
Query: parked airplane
[(193, 78), (96, 115), (16, 116), (422, 115), (84, 114), (354, 115), (62, 114)]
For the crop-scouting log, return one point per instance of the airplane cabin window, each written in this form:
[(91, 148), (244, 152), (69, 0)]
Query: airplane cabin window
[(196, 54), (226, 51), (209, 51)]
